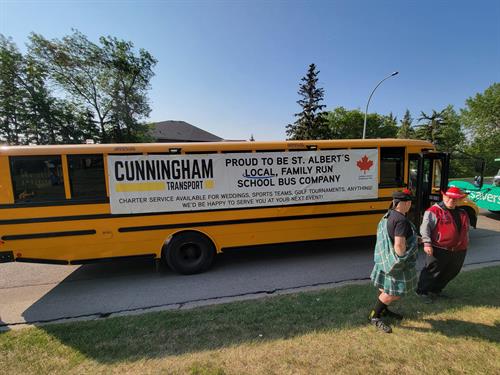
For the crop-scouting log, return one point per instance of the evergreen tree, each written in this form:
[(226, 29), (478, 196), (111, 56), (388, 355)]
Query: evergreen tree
[(442, 128), (405, 130), (430, 129), (311, 122)]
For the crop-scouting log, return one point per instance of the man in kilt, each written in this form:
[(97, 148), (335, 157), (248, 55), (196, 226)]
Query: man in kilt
[(394, 273)]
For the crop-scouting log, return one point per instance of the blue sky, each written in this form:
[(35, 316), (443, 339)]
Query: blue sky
[(233, 67)]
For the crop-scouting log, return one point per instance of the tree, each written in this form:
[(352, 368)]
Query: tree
[(405, 130), (442, 128), (26, 105), (40, 104), (107, 84), (76, 123), (311, 122), (481, 117), (348, 124), (345, 124), (111, 80), (482, 113), (388, 128), (12, 117), (452, 137), (76, 65), (128, 88), (429, 130)]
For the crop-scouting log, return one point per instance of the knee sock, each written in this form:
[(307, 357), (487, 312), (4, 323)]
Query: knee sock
[(379, 307)]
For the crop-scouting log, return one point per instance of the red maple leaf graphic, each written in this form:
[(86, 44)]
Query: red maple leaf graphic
[(364, 164)]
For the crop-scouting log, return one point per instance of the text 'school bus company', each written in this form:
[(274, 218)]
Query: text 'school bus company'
[(185, 202)]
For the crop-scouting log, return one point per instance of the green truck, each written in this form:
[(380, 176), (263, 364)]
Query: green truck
[(486, 196)]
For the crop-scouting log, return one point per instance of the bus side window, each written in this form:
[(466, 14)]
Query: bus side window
[(37, 178), (86, 176), (392, 161)]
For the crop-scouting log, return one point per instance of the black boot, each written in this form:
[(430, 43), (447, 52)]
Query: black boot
[(391, 314)]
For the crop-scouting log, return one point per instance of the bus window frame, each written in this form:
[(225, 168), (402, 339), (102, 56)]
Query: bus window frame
[(402, 161), (55, 202), (70, 182)]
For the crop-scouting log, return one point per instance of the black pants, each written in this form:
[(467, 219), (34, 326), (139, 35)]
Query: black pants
[(439, 270)]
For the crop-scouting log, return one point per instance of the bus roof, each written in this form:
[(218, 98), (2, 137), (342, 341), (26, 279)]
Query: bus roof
[(124, 148)]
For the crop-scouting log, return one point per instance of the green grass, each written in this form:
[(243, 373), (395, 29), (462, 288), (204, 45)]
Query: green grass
[(317, 332)]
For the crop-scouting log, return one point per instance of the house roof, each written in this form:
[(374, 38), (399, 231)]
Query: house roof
[(181, 131)]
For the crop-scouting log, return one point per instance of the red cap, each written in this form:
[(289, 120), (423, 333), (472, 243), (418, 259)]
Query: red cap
[(455, 193)]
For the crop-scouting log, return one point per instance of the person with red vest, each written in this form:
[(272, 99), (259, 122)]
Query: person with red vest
[(445, 235)]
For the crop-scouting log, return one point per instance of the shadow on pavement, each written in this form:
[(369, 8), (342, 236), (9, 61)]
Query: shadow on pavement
[(280, 252), (101, 289), (491, 215)]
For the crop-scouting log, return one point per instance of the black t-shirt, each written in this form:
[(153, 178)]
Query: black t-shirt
[(398, 225), (456, 215)]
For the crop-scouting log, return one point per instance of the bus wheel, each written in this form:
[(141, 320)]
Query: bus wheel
[(189, 252)]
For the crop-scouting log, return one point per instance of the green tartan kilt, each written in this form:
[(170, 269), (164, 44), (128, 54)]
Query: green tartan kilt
[(398, 283)]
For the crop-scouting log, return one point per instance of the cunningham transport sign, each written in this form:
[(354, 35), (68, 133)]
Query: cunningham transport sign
[(170, 183)]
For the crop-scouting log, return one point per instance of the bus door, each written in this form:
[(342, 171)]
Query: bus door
[(427, 177)]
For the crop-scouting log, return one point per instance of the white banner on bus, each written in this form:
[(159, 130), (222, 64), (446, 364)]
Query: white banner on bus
[(166, 183)]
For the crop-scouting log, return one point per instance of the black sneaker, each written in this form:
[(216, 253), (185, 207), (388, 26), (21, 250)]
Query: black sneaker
[(391, 314), (439, 295), (425, 298), (381, 325)]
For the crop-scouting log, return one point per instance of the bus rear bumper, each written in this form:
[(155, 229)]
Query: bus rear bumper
[(6, 256)]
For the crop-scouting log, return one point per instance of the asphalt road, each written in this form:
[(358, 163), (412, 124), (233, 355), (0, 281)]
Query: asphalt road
[(35, 293)]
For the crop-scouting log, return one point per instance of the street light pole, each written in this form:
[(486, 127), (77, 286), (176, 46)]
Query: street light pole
[(368, 103)]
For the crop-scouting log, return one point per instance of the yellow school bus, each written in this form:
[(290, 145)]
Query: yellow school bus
[(183, 203)]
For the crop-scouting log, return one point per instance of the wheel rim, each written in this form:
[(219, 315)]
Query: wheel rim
[(190, 253)]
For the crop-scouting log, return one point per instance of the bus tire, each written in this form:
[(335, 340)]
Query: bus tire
[(189, 252), (472, 215)]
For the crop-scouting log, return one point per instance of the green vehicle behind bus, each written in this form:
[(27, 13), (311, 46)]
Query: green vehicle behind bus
[(486, 196)]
